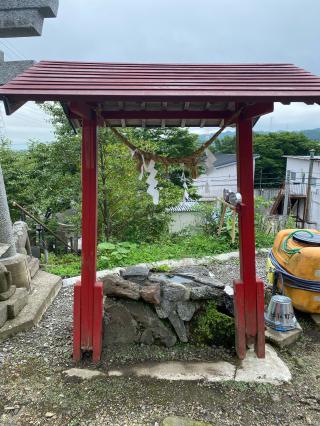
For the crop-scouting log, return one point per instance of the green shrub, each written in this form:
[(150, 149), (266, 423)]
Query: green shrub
[(264, 240), (214, 327), (114, 253)]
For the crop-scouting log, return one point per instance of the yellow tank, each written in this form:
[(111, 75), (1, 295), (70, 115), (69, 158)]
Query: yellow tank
[(297, 257)]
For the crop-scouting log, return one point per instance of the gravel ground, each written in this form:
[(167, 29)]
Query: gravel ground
[(34, 390)]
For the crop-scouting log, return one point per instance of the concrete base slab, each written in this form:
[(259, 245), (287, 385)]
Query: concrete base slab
[(3, 313), (182, 421), (44, 289), (316, 319), (17, 302), (270, 369), (283, 338), (175, 370), (83, 373)]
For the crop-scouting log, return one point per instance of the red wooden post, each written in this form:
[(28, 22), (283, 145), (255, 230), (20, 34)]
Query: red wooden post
[(249, 306), (88, 328), (89, 228)]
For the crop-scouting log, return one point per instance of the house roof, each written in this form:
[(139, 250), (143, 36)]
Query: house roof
[(302, 157), (223, 160), (160, 94), (185, 207)]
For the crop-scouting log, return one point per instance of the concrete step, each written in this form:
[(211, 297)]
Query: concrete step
[(45, 288), (17, 302)]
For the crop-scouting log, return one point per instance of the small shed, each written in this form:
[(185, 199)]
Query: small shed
[(186, 214)]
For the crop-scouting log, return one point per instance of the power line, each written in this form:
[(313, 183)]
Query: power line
[(13, 50)]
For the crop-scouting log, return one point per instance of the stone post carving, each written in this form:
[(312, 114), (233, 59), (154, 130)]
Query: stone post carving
[(14, 262), (6, 287), (6, 231)]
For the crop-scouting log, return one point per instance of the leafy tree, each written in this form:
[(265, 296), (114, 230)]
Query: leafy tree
[(43, 178), (126, 210), (272, 147), (169, 142), (12, 163), (226, 145), (47, 177)]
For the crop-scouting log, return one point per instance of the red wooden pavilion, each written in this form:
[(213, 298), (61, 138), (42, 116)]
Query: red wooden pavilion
[(164, 95)]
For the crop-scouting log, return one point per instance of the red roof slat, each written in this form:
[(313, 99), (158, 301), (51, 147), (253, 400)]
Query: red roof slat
[(48, 80)]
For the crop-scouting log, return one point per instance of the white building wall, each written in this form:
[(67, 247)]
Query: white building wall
[(299, 171), (182, 220), (315, 209), (212, 186), (209, 187)]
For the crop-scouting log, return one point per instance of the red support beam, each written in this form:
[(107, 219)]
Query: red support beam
[(240, 321), (249, 306), (260, 340), (80, 110), (88, 293), (256, 110)]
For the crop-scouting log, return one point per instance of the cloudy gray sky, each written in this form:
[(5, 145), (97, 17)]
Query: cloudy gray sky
[(176, 31)]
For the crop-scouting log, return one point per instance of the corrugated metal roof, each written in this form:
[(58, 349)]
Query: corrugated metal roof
[(223, 159), (161, 94), (185, 207)]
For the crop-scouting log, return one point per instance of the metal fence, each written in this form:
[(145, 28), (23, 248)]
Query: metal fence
[(267, 193)]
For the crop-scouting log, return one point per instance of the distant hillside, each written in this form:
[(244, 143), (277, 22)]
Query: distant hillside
[(313, 134), (205, 136)]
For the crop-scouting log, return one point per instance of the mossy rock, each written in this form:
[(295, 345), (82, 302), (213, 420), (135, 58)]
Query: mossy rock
[(162, 268), (214, 327)]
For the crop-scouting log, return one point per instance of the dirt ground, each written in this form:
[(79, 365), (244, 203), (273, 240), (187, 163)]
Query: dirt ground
[(34, 390)]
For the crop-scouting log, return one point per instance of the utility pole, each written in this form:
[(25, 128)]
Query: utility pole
[(260, 183), (286, 197), (306, 213)]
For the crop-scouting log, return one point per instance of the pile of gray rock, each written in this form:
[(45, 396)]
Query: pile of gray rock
[(150, 307)]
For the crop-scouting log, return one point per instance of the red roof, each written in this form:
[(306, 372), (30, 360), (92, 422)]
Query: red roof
[(155, 88), (58, 79)]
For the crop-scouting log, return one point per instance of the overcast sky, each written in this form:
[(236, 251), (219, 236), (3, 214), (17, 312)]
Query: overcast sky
[(209, 31)]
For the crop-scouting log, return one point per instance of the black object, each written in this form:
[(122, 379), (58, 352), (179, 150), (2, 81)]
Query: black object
[(36, 252), (307, 238)]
